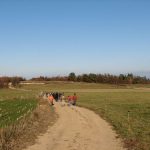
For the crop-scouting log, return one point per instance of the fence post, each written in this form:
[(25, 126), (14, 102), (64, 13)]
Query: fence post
[(128, 116)]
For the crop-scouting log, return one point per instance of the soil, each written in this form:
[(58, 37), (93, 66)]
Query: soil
[(77, 129)]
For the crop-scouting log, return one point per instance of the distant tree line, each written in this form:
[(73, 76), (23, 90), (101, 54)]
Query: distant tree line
[(98, 78), (57, 78), (5, 81)]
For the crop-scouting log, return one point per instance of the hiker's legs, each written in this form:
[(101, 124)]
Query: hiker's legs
[(74, 103)]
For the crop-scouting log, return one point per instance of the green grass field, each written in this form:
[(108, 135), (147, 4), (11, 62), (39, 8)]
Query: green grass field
[(8, 94), (13, 110), (14, 104), (125, 107), (128, 112)]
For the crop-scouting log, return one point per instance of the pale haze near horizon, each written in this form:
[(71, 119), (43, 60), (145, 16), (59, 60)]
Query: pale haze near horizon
[(56, 38)]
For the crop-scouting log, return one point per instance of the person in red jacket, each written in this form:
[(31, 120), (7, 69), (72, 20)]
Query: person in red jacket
[(74, 99)]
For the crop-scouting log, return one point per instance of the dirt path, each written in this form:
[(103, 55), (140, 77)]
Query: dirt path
[(78, 129)]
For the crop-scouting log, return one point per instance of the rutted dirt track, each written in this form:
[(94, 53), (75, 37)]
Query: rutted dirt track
[(78, 129)]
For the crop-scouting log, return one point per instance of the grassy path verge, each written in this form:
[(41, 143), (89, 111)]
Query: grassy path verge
[(128, 113), (22, 118)]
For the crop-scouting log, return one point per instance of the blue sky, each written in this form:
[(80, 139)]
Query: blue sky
[(41, 37)]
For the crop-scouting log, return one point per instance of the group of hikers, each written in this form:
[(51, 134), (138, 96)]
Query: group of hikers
[(60, 97)]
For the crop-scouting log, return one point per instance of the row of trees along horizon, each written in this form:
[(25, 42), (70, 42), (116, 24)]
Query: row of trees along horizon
[(4, 81), (89, 78), (98, 78)]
